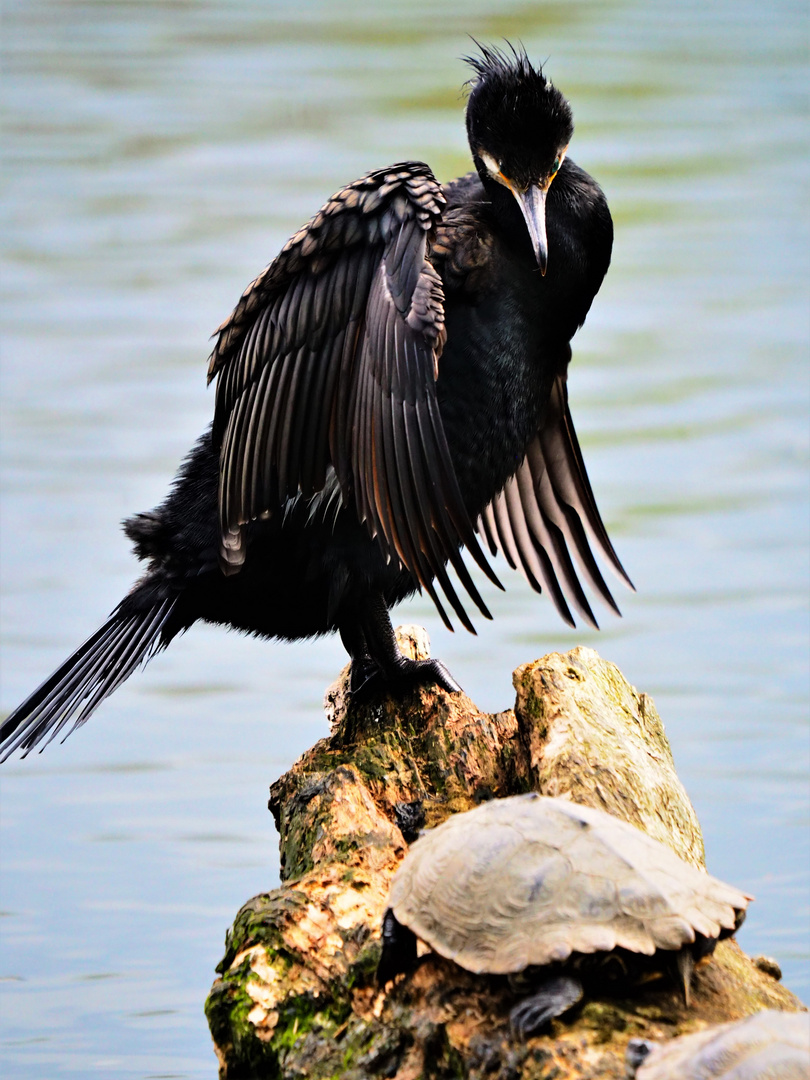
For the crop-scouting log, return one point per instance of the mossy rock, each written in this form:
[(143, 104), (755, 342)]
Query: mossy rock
[(296, 994)]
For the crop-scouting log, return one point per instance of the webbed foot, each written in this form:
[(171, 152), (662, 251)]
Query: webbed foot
[(378, 665), (553, 998), (365, 678), (406, 673)]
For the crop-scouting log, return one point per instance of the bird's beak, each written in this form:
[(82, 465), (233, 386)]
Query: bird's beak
[(532, 203)]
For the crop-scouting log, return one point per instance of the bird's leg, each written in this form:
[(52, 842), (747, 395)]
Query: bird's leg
[(399, 672), (365, 672), (553, 998), (398, 951)]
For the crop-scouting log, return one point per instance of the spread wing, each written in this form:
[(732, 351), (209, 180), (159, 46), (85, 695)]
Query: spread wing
[(545, 513), (330, 359)]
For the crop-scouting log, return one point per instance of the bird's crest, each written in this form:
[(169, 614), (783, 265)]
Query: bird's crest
[(515, 112), (494, 63)]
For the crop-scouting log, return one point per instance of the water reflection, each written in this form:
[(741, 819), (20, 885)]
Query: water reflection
[(156, 157)]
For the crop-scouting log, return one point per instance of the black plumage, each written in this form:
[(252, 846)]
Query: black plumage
[(390, 387)]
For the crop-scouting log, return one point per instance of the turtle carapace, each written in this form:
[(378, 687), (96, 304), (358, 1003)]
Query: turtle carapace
[(769, 1045), (567, 897)]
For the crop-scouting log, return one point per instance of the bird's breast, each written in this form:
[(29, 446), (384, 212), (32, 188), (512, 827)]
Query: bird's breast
[(494, 379)]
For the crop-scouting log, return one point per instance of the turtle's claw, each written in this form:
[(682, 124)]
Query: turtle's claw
[(553, 998)]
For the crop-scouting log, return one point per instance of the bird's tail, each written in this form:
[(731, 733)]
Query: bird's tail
[(75, 690)]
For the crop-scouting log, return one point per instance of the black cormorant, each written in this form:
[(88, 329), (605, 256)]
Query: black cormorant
[(392, 384)]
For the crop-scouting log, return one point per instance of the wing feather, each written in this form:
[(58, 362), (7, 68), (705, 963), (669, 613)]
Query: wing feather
[(543, 530), (569, 479), (400, 366), (330, 358), (545, 514)]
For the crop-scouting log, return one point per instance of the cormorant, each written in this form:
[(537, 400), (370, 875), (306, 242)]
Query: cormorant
[(391, 384)]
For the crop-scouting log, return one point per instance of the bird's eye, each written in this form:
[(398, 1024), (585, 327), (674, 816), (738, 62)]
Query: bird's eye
[(491, 163), (555, 166)]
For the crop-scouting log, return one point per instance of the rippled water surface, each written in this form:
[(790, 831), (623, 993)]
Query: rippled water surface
[(157, 155)]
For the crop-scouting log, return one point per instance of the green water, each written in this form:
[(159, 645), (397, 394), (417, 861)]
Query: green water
[(156, 156)]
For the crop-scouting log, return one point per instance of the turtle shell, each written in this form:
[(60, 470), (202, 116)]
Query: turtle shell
[(764, 1046), (529, 880)]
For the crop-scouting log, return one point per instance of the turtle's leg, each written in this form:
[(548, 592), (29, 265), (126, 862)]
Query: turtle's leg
[(399, 949), (553, 998), (398, 671)]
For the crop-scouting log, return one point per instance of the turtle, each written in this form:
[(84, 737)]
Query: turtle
[(558, 897), (770, 1045)]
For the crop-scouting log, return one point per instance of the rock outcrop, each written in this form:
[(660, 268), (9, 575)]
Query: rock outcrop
[(296, 994)]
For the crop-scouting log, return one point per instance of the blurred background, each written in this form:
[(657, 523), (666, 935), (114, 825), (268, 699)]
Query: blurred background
[(157, 156)]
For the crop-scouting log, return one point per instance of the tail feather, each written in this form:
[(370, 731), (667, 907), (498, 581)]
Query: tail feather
[(142, 643), (76, 689), (47, 704)]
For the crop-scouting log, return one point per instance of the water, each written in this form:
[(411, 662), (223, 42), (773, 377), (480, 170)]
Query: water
[(156, 157)]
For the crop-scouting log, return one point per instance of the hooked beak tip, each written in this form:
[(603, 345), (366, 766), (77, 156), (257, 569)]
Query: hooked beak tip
[(532, 203)]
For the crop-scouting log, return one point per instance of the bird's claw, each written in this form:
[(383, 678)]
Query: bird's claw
[(364, 678), (423, 672), (367, 678)]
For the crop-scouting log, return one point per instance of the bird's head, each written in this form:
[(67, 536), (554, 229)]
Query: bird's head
[(519, 126)]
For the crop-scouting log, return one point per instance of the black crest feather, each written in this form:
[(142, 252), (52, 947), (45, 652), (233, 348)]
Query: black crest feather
[(515, 112), (497, 63)]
